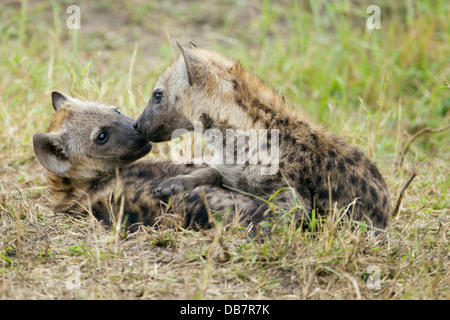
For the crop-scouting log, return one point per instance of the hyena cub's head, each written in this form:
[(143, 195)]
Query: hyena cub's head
[(200, 85), (87, 139)]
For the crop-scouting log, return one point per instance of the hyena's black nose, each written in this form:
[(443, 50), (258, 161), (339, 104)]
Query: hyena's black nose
[(136, 126)]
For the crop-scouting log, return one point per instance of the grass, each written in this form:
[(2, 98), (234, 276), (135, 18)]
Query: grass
[(374, 88)]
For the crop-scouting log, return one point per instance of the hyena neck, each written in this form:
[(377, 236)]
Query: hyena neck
[(265, 108), (69, 193), (251, 105)]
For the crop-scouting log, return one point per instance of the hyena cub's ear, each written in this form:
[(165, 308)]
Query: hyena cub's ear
[(50, 152), (59, 100), (194, 66)]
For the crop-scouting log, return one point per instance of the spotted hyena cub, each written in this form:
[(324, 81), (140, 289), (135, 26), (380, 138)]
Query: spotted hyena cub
[(325, 171), (90, 152)]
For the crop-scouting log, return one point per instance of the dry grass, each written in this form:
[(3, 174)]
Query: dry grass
[(375, 89), (42, 253)]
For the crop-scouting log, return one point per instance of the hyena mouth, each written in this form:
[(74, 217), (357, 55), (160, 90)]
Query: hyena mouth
[(132, 156), (156, 135)]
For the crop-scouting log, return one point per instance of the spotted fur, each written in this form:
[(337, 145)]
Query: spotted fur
[(325, 171)]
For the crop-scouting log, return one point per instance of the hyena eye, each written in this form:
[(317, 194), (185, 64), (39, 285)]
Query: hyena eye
[(119, 112), (157, 96), (102, 137)]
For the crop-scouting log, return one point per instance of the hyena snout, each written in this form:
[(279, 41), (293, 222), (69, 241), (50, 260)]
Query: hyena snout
[(140, 125), (155, 131), (144, 120), (162, 124)]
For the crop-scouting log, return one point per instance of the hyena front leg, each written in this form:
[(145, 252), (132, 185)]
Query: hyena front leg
[(188, 182), (236, 209)]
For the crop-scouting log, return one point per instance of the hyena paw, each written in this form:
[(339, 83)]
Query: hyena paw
[(174, 185)]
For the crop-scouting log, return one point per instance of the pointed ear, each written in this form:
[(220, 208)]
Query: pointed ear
[(50, 152), (193, 64), (59, 100)]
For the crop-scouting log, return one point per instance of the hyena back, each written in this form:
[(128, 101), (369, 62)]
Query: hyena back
[(91, 152), (325, 171)]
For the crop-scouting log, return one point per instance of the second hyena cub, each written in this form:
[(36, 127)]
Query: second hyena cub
[(326, 172), (90, 151)]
